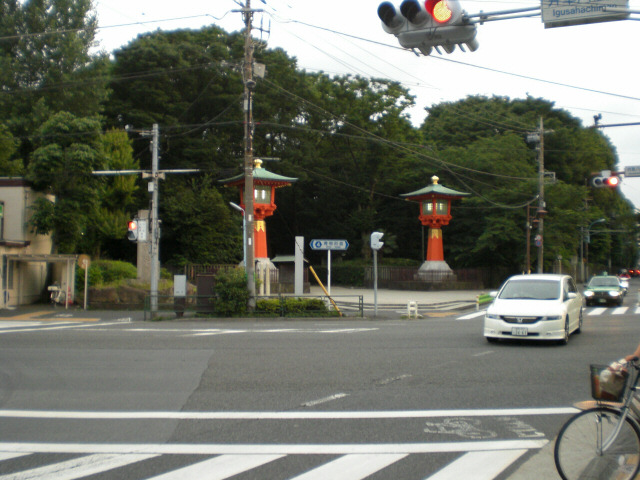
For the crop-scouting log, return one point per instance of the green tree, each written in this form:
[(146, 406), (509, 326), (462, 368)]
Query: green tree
[(68, 151), (9, 166), (46, 66)]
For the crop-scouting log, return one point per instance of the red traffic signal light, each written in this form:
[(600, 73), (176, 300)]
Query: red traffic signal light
[(439, 10), (132, 230), (612, 181)]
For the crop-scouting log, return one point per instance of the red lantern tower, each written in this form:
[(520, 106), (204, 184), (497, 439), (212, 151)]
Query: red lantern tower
[(264, 196), (435, 212)]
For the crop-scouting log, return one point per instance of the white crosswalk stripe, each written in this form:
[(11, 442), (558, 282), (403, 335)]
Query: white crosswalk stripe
[(624, 310), (351, 467), (219, 468), (481, 464), (78, 467), (478, 465)]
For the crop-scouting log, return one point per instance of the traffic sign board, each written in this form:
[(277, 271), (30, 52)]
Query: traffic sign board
[(560, 14), (328, 244), (632, 171)]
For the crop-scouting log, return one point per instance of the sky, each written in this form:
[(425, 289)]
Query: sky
[(587, 70)]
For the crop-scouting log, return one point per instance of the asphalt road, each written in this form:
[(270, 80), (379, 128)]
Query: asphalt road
[(398, 399)]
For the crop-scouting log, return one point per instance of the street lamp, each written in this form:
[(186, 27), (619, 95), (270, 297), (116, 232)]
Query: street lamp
[(244, 232)]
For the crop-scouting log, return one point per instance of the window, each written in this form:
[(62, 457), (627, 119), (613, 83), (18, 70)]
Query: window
[(262, 194), (442, 207)]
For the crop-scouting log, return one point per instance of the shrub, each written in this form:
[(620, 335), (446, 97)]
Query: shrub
[(291, 306), (231, 291), (114, 270)]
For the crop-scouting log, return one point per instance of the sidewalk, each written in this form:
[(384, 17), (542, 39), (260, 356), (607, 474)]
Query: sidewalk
[(393, 303)]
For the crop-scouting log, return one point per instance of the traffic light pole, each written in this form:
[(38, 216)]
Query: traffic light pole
[(155, 175)]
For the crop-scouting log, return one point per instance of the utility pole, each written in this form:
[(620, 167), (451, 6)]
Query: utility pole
[(537, 137), (249, 85), (155, 224), (541, 204)]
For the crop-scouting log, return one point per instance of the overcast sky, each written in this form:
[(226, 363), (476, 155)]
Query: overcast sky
[(586, 69)]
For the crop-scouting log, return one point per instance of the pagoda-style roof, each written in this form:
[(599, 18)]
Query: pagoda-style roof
[(261, 176), (435, 190)]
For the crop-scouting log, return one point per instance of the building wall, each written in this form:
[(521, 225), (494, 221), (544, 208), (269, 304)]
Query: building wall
[(22, 282)]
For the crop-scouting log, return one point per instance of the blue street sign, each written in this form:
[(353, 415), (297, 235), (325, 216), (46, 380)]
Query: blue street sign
[(329, 244)]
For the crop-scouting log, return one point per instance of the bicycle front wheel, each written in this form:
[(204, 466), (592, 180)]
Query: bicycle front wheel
[(578, 451)]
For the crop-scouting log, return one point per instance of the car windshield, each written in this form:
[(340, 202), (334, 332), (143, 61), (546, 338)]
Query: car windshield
[(604, 282), (531, 290)]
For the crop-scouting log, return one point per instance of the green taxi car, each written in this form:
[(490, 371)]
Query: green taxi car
[(604, 289)]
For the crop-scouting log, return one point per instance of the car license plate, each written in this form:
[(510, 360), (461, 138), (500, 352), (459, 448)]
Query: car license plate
[(519, 332)]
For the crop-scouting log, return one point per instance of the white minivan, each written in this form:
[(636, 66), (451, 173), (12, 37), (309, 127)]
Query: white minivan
[(534, 307)]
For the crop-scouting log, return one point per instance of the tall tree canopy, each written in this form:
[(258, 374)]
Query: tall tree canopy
[(348, 140)]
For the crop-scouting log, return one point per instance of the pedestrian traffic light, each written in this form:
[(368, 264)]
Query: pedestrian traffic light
[(132, 230), (376, 244), (429, 24), (605, 179)]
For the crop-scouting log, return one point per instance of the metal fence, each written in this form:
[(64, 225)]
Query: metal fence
[(406, 278)]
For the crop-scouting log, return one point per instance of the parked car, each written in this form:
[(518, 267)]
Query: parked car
[(535, 307), (604, 289)]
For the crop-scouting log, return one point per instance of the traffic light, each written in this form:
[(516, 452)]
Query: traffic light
[(132, 230), (429, 24), (376, 244), (605, 179)]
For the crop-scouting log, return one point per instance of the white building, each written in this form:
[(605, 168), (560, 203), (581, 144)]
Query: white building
[(27, 257)]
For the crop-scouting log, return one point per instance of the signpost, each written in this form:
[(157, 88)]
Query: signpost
[(556, 13), (328, 245)]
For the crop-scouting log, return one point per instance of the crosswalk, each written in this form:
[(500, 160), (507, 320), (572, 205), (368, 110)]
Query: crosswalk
[(470, 443), (591, 311), (478, 460)]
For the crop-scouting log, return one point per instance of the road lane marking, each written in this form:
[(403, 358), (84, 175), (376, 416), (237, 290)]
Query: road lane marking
[(11, 455), (351, 467), (478, 465), (219, 468), (48, 316), (597, 311), (472, 315), (271, 449), (80, 467), (337, 396), (289, 415)]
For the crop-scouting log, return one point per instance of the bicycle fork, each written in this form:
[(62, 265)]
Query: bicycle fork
[(604, 444)]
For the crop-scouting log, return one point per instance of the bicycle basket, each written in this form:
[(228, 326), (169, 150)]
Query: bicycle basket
[(606, 384)]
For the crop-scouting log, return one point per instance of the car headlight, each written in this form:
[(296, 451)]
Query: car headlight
[(614, 293), (551, 317), (492, 316), (588, 293)]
